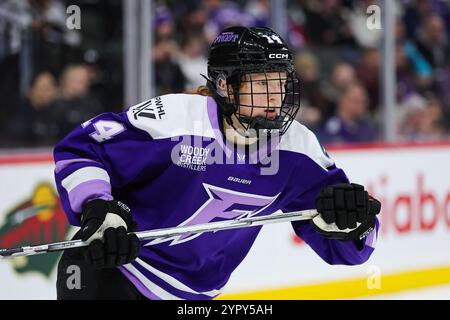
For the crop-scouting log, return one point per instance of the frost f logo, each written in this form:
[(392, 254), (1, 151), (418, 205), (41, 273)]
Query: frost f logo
[(222, 203)]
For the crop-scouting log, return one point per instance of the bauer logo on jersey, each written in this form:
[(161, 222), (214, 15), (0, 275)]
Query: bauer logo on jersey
[(152, 109)]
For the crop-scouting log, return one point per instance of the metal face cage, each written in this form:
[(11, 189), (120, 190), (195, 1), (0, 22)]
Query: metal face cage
[(264, 98)]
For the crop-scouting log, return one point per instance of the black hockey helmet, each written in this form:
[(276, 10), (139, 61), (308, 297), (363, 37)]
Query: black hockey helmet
[(239, 52)]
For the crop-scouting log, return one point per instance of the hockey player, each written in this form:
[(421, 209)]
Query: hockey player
[(185, 159)]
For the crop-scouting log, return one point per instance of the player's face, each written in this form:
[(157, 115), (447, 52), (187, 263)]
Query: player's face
[(262, 94)]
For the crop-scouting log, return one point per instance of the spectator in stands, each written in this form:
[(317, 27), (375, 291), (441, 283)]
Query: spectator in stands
[(325, 23), (405, 76), (443, 92), (192, 61), (408, 114), (343, 75), (414, 15), (192, 17), (314, 104), (367, 71), (433, 41), (49, 29), (164, 24), (168, 75), (46, 19), (351, 123), (421, 120), (431, 126), (297, 35), (14, 18), (75, 104), (32, 34), (35, 125), (418, 66)]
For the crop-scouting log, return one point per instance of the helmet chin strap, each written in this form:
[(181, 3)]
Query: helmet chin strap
[(236, 133), (262, 124)]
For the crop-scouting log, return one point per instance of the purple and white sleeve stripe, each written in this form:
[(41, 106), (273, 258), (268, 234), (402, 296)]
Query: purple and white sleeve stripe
[(86, 183), (62, 164)]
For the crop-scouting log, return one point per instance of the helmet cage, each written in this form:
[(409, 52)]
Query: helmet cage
[(287, 86)]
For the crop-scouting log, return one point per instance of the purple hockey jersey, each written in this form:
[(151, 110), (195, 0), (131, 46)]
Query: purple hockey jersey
[(163, 159)]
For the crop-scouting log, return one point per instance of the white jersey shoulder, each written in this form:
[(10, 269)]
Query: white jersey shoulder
[(300, 139), (172, 115)]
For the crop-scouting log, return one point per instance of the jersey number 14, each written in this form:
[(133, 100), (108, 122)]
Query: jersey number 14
[(106, 130)]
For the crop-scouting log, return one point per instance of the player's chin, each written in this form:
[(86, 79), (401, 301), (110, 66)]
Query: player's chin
[(271, 115)]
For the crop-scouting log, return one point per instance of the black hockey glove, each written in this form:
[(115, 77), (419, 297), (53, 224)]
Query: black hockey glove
[(346, 212), (104, 225)]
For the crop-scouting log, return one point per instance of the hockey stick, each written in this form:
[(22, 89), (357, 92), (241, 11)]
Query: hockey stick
[(168, 232)]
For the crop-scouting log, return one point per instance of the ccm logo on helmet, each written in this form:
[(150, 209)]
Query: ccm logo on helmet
[(278, 56)]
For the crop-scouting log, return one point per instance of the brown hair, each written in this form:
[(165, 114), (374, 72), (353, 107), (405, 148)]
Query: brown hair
[(202, 90)]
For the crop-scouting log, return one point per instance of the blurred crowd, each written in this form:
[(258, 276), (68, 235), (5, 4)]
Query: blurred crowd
[(53, 78)]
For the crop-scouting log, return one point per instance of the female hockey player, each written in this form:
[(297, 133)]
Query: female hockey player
[(231, 150)]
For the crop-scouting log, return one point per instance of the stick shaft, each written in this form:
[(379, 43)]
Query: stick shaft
[(168, 232)]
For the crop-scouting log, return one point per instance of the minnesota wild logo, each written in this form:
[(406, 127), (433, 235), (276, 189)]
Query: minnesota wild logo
[(38, 220)]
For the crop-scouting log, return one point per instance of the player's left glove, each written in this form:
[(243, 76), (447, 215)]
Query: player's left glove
[(346, 212)]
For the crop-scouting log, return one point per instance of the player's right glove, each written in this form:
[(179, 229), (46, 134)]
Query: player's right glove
[(346, 212), (104, 225)]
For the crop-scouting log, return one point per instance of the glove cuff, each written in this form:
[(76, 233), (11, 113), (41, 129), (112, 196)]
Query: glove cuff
[(98, 209), (331, 231)]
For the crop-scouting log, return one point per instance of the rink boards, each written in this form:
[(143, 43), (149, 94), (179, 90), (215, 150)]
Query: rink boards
[(413, 183)]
